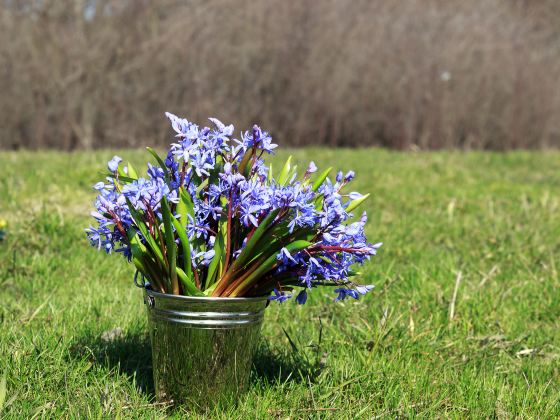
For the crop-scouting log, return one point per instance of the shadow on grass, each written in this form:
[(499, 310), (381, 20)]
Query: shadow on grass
[(275, 367), (130, 354)]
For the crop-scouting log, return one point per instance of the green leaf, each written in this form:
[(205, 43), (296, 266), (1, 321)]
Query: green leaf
[(185, 207), (214, 264), (244, 167), (137, 248), (247, 252), (170, 244), (355, 203), (152, 243), (132, 172), (188, 284), (283, 177), (270, 177), (144, 261), (208, 291), (319, 181), (319, 201), (273, 240), (186, 247), (121, 171), (149, 272), (267, 265), (202, 185), (123, 178), (220, 245)]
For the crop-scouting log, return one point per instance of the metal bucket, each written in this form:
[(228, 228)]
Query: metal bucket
[(202, 348)]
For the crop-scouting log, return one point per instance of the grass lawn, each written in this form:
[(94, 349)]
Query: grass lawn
[(404, 350)]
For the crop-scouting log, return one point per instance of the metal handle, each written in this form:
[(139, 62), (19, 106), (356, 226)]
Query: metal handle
[(141, 285), (150, 301)]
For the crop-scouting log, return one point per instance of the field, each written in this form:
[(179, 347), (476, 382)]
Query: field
[(464, 320)]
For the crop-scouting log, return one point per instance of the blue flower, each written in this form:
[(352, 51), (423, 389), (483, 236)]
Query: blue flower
[(258, 138), (204, 257), (207, 163), (248, 211), (279, 296), (138, 189), (95, 237), (301, 298), (170, 162), (312, 168), (113, 164), (155, 171), (343, 293), (349, 176), (339, 176), (362, 290), (180, 125), (285, 257), (222, 128)]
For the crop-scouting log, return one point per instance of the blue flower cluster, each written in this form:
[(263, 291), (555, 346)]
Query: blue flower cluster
[(304, 222)]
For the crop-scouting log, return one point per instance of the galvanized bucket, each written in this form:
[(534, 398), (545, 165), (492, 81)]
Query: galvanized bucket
[(202, 347)]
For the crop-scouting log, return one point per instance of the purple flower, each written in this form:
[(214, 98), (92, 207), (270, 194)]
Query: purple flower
[(95, 237), (204, 258), (249, 209), (222, 128), (155, 171), (286, 257), (343, 293), (227, 181), (362, 290), (229, 177), (312, 168), (301, 298), (180, 125), (279, 296), (113, 164), (339, 176), (258, 138), (138, 189), (170, 162)]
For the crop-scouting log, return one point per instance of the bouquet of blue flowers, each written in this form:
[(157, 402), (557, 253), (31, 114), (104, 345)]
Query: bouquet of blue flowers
[(213, 219)]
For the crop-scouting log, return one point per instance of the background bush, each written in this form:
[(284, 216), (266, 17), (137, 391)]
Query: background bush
[(408, 73)]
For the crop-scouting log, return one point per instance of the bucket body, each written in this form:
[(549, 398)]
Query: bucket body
[(202, 348)]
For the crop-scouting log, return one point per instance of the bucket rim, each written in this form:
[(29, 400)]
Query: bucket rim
[(183, 298)]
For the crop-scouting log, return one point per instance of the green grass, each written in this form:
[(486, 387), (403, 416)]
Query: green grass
[(396, 353)]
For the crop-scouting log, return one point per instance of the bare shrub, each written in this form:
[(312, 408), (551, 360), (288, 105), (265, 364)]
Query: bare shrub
[(424, 73)]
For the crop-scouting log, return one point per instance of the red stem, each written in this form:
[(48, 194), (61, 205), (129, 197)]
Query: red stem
[(196, 278), (332, 248), (183, 173), (118, 224), (228, 245)]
